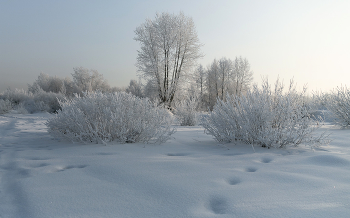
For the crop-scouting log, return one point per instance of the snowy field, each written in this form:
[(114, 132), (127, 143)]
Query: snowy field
[(190, 175)]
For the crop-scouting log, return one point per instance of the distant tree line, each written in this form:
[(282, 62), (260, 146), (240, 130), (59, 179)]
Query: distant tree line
[(46, 92), (218, 79), (82, 80)]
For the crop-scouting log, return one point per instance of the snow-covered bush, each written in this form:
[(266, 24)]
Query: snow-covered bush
[(135, 88), (5, 106), (99, 118), (47, 101), (26, 102), (338, 102), (318, 106), (19, 99), (264, 117), (185, 112), (46, 83), (16, 96), (19, 109)]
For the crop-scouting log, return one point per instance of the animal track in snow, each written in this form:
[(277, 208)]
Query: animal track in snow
[(218, 205), (40, 165), (178, 154), (251, 169), (234, 181), (60, 168), (17, 172), (38, 158), (232, 154), (266, 160), (23, 173), (105, 153)]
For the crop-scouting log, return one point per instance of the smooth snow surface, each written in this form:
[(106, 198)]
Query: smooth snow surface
[(189, 176)]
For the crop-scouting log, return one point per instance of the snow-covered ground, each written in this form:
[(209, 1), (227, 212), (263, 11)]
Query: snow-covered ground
[(191, 175)]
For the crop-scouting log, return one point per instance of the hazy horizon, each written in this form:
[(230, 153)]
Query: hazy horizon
[(304, 40)]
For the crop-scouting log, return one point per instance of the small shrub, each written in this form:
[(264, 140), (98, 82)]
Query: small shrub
[(338, 102), (19, 109), (5, 106), (101, 118), (185, 112), (264, 117), (47, 101)]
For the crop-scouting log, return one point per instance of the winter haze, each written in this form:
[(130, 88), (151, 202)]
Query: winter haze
[(307, 40)]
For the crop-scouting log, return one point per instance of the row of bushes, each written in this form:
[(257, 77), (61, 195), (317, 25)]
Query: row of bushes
[(21, 101), (264, 116), (261, 117)]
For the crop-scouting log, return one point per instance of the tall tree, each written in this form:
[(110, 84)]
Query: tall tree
[(227, 77), (212, 83), (89, 80), (225, 71), (199, 78), (169, 50), (135, 88), (242, 75)]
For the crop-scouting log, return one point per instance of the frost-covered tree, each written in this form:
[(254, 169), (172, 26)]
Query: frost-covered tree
[(54, 84), (225, 77), (225, 72), (199, 78), (169, 50), (69, 87), (219, 80), (212, 83), (150, 90), (89, 80), (47, 83), (242, 75), (135, 88)]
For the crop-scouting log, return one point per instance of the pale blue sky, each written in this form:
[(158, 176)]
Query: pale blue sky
[(307, 40)]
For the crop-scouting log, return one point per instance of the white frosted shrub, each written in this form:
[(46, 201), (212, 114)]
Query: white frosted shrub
[(119, 117), (5, 106), (319, 106), (27, 102), (338, 102), (264, 117), (19, 100), (19, 109), (185, 112), (46, 83), (47, 101), (16, 96)]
